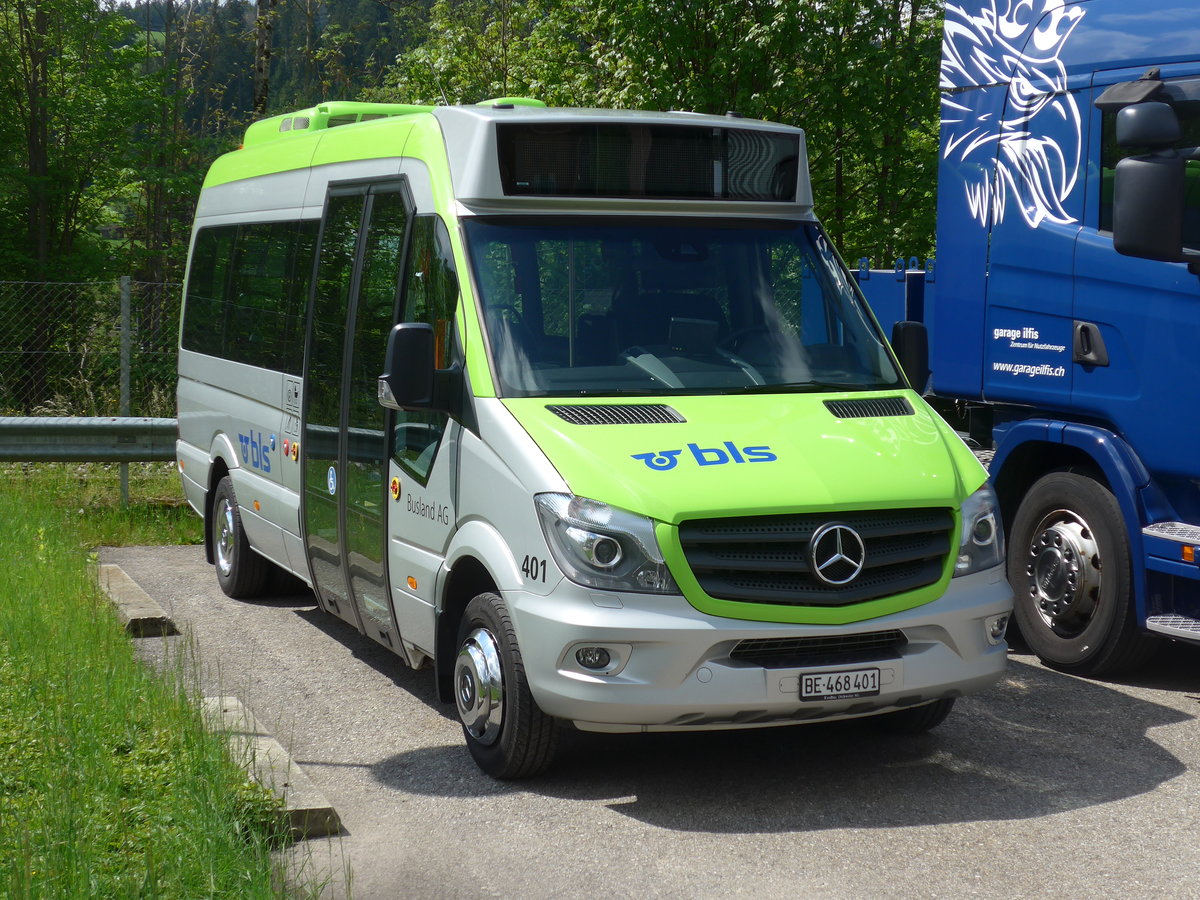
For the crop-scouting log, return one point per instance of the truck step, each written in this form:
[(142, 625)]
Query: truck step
[(1181, 532), (1175, 626)]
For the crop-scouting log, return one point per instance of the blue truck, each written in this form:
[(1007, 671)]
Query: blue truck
[(1063, 313)]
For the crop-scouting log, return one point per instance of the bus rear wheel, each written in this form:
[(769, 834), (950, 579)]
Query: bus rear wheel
[(1069, 566), (506, 733), (241, 572)]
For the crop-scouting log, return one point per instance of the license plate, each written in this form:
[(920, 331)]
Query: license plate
[(839, 685)]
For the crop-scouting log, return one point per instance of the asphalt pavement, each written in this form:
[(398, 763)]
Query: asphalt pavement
[(1044, 786)]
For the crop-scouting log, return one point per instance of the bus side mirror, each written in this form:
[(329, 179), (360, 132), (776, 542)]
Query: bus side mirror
[(407, 379), (910, 340)]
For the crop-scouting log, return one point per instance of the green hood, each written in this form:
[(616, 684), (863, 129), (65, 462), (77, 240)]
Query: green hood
[(757, 454)]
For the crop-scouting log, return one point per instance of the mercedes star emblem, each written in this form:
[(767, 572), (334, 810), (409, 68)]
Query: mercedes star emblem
[(837, 554)]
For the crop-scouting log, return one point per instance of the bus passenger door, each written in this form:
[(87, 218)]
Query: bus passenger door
[(345, 448)]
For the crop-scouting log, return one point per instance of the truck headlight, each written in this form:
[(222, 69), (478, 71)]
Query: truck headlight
[(602, 546), (981, 543)]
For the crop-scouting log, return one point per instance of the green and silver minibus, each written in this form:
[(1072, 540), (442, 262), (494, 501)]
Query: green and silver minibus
[(582, 410)]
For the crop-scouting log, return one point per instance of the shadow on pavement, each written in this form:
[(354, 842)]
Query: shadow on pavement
[(1038, 743), (417, 682)]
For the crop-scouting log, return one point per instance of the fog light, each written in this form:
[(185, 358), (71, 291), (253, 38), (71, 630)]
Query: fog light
[(995, 627), (593, 657)]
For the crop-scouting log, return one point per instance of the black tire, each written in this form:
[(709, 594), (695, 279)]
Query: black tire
[(241, 572), (508, 736), (915, 719), (1069, 567)]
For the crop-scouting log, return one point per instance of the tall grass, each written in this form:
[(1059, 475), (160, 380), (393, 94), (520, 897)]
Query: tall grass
[(109, 784), (87, 497)]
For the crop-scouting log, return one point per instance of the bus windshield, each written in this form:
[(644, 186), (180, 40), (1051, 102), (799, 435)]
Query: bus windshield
[(641, 306)]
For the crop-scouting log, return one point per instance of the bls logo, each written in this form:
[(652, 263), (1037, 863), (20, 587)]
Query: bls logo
[(707, 456), (256, 451)]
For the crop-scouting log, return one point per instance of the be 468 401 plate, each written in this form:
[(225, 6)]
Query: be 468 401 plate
[(844, 685)]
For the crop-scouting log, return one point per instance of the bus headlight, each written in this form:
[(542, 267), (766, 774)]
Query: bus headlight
[(602, 546), (981, 541)]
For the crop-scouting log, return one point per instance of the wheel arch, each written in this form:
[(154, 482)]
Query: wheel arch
[(1032, 448), (478, 560), (468, 578)]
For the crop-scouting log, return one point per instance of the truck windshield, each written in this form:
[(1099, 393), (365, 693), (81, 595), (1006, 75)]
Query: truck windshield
[(576, 307)]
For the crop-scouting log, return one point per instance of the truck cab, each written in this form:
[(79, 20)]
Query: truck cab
[(1063, 308)]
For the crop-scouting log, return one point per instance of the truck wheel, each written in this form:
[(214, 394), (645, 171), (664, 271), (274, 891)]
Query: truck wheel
[(915, 719), (241, 572), (1069, 566), (508, 736)]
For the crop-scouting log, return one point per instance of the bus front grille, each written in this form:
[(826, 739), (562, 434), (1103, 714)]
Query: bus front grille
[(767, 559)]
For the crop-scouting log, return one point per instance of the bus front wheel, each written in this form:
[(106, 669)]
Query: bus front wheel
[(506, 733)]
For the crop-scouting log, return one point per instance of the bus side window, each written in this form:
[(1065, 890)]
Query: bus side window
[(430, 296), (246, 293), (207, 289)]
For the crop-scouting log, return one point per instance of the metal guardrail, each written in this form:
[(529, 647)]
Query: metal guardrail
[(87, 439)]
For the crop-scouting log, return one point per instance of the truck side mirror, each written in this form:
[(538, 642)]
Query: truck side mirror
[(910, 340), (1148, 207), (1151, 125), (407, 379), (1148, 191)]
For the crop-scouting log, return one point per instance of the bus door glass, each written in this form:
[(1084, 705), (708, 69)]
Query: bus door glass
[(345, 428)]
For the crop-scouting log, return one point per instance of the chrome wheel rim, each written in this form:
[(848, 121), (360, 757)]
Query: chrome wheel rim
[(1063, 570), (479, 686), (223, 545)]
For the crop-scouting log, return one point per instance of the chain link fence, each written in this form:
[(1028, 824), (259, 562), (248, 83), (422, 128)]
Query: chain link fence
[(61, 348)]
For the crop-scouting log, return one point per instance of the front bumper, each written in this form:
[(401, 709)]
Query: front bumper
[(672, 669)]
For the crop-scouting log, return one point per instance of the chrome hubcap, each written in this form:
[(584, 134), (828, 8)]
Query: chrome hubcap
[(223, 545), (1063, 569), (479, 686)]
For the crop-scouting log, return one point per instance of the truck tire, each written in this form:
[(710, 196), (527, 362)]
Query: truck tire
[(1069, 566), (506, 733), (241, 572)]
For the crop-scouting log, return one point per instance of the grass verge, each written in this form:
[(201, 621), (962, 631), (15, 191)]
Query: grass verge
[(109, 784), (88, 500)]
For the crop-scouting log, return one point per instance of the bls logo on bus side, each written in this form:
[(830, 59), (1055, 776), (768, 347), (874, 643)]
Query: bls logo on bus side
[(256, 452)]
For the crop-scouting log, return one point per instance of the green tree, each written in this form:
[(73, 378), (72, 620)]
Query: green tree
[(473, 50), (69, 89), (860, 76)]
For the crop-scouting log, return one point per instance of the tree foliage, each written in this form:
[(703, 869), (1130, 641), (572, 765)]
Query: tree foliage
[(860, 76), (118, 109), (69, 83)]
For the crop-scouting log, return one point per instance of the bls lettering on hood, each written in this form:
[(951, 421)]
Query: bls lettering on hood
[(707, 456)]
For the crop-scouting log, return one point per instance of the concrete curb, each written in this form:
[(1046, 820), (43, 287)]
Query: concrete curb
[(139, 614), (306, 811)]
